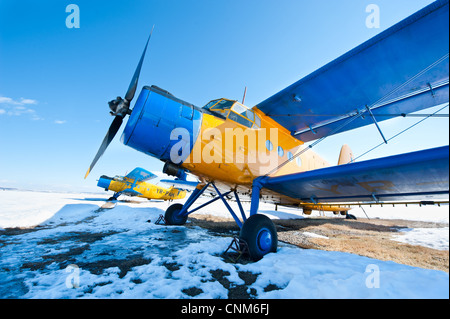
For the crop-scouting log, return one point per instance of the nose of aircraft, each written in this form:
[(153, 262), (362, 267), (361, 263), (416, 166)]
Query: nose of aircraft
[(104, 182), (155, 116)]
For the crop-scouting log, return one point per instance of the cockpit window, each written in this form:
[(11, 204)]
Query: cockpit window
[(219, 105), (240, 119), (234, 111), (257, 121), (119, 178), (241, 114), (223, 105), (207, 106), (239, 108)]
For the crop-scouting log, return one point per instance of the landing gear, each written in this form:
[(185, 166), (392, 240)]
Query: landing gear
[(260, 234), (173, 216), (114, 197), (257, 231)]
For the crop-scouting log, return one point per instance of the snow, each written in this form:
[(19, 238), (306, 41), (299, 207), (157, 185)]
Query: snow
[(436, 238), (313, 235), (72, 249)]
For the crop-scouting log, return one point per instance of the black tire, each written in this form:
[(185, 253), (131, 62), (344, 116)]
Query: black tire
[(350, 216), (260, 234), (173, 217)]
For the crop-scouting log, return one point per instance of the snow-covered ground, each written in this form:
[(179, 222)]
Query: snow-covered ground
[(77, 250)]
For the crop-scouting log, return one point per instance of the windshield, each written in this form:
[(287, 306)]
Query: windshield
[(234, 111), (207, 106), (220, 105), (119, 178)]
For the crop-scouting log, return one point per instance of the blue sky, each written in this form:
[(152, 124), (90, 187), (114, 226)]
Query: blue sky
[(55, 82)]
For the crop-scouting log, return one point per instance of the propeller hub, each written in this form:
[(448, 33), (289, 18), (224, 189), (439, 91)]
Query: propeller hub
[(119, 107)]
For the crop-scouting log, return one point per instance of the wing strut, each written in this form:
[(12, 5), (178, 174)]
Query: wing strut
[(376, 123), (401, 132)]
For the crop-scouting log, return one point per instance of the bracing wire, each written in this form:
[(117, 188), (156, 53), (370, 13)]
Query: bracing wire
[(363, 111), (401, 132)]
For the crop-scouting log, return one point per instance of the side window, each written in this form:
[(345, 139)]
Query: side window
[(289, 156), (299, 161), (269, 145), (280, 151)]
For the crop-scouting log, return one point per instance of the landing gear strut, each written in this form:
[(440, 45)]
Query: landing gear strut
[(257, 231)]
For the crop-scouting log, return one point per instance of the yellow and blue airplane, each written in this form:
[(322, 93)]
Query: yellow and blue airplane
[(260, 152), (135, 184)]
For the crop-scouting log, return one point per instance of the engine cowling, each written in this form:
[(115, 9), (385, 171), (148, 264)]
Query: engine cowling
[(159, 121)]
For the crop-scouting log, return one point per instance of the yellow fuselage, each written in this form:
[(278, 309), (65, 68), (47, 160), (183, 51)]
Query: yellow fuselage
[(241, 161), (148, 190), (236, 164)]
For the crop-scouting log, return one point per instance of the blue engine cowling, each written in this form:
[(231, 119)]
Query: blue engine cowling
[(104, 182), (152, 122)]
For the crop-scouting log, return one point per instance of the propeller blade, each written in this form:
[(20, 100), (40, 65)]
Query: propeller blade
[(120, 108), (134, 81), (112, 131)]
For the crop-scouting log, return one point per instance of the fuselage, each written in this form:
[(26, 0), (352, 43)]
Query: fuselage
[(223, 141), (127, 186)]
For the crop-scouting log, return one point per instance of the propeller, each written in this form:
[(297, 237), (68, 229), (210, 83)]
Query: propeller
[(119, 109)]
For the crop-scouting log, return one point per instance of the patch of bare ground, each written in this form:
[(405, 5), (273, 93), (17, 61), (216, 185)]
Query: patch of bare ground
[(365, 237)]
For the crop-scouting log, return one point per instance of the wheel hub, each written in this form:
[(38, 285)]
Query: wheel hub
[(264, 240)]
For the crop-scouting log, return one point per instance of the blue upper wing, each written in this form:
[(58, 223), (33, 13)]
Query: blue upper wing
[(401, 70), (415, 176), (140, 175)]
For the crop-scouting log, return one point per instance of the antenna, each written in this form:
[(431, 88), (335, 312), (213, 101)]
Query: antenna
[(243, 98)]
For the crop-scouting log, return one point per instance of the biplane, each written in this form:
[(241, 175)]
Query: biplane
[(260, 151), (135, 184)]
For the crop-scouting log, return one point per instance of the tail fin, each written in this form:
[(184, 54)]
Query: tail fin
[(346, 155)]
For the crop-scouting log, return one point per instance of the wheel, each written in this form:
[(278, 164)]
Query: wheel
[(173, 217), (350, 216), (260, 235)]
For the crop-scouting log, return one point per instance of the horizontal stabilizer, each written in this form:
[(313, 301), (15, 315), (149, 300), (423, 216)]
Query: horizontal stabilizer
[(415, 176), (180, 184)]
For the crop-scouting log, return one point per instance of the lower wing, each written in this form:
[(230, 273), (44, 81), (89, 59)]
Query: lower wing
[(421, 175)]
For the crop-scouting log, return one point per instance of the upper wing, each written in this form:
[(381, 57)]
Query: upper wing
[(401, 70), (413, 176), (140, 175)]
